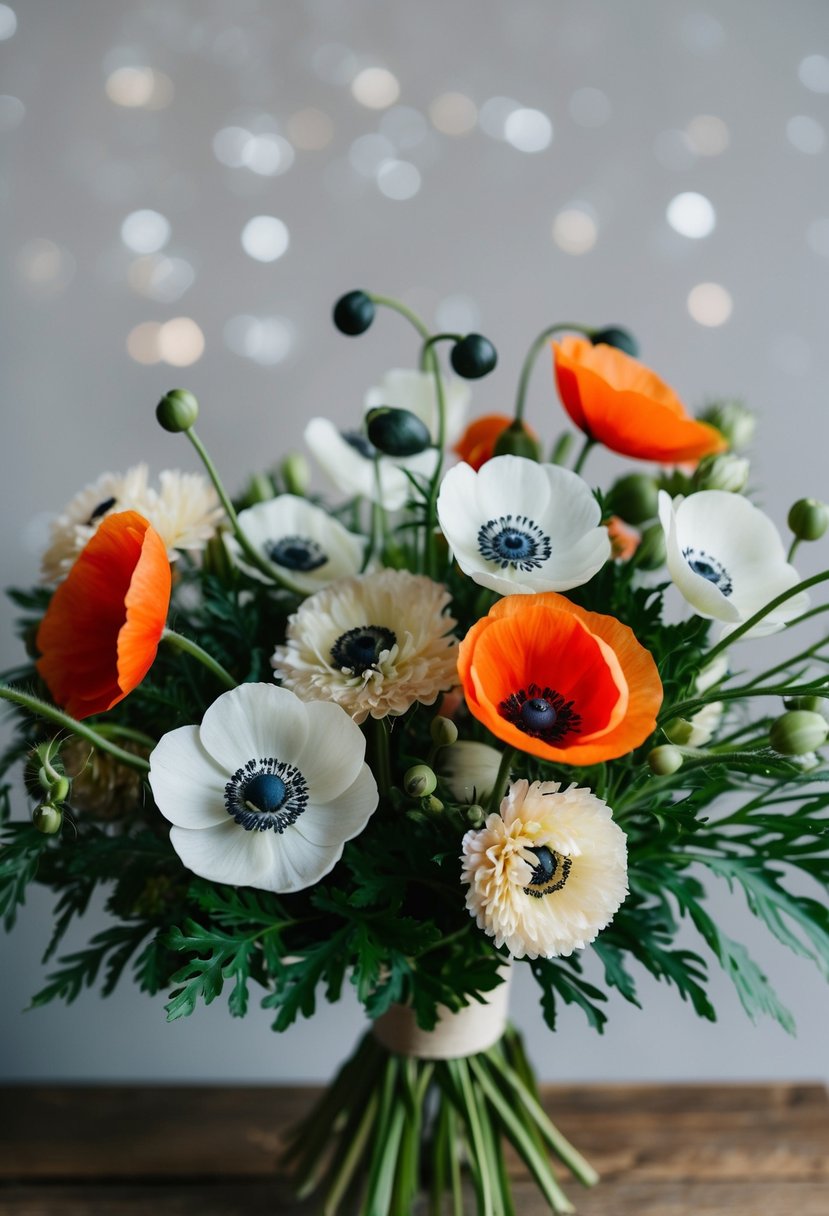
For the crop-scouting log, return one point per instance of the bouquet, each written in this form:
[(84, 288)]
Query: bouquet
[(475, 716)]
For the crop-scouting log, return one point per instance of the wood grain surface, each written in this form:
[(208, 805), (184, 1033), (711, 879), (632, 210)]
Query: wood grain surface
[(732, 1150)]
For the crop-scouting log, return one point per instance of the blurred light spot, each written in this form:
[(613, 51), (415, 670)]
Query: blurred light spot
[(453, 113), (310, 129), (404, 126), (817, 235), (268, 155), (575, 230), (265, 238), (710, 304), (791, 354), (701, 33), (589, 107), (265, 340), (139, 88), (398, 179), (806, 134), (180, 342), (814, 73), (375, 88), (229, 146), (691, 214), (493, 115), (12, 112), (369, 152), (334, 63), (161, 278), (143, 343), (145, 231), (8, 22), (707, 135), (458, 315), (673, 150), (528, 130), (44, 268)]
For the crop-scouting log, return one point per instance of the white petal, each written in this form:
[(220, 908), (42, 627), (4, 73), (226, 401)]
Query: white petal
[(226, 853), (334, 751), (290, 516), (296, 862), (254, 722), (188, 785), (344, 817), (700, 593), (512, 485), (351, 472)]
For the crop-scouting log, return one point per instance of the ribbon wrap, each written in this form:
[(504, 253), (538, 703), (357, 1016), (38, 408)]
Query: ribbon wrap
[(474, 1028)]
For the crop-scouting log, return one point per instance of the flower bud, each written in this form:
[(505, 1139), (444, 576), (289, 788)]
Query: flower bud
[(808, 519), (473, 356), (475, 815), (47, 818), (296, 474), (444, 732), (733, 420), (177, 410), (815, 705), (664, 760), (797, 732), (679, 731), (634, 497), (651, 552), (397, 432), (259, 489), (516, 440), (724, 472), (434, 804), (354, 313), (621, 339), (419, 781)]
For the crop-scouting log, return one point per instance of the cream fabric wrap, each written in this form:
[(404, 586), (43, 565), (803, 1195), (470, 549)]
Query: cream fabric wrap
[(472, 1029)]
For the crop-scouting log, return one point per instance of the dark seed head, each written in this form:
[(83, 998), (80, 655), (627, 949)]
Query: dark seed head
[(354, 313), (397, 432), (614, 335), (538, 714), (473, 356)]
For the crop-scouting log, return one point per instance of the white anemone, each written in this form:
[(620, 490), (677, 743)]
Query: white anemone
[(470, 769), (307, 545), (407, 389), (266, 791), (518, 526), (352, 464), (727, 559), (547, 872)]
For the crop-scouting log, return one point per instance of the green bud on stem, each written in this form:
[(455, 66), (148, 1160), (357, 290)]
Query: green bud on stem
[(664, 760), (177, 410), (808, 519), (419, 781), (797, 732)]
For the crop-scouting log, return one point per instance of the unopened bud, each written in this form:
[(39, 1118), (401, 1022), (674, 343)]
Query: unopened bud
[(444, 732), (815, 705), (517, 440), (258, 489), (797, 732), (177, 410), (724, 472), (664, 760), (621, 339), (650, 554), (679, 731), (296, 474), (634, 497), (397, 432), (733, 420), (47, 818), (808, 519), (434, 805), (475, 815), (419, 781)]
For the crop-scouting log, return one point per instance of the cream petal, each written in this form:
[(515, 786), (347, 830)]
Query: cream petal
[(188, 785), (226, 853), (254, 722)]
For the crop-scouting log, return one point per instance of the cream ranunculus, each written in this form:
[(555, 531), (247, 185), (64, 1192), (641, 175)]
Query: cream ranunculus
[(266, 791), (547, 872)]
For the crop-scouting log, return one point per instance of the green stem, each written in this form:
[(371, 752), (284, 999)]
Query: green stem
[(382, 756), (430, 342), (252, 554), (793, 547), (531, 356), (685, 709), (110, 729), (583, 454), (44, 710), (764, 611), (501, 780), (192, 648)]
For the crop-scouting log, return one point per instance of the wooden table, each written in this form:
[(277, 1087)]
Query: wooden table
[(726, 1150)]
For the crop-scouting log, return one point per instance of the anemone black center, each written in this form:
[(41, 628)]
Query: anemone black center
[(266, 794), (550, 872), (101, 509), (360, 443), (708, 567), (540, 712), (296, 553), (359, 649), (514, 540)]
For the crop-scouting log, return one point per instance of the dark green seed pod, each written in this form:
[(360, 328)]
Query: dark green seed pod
[(354, 313), (473, 356), (397, 432), (516, 440), (177, 410), (634, 497), (614, 335)]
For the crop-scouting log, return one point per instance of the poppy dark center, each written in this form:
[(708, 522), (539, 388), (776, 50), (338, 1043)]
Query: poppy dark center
[(550, 872), (296, 553), (266, 794), (709, 568), (542, 713), (515, 541), (359, 649)]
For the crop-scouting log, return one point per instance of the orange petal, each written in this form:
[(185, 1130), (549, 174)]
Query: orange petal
[(477, 444)]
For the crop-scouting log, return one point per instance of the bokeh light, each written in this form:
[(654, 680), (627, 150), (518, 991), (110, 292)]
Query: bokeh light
[(575, 229), (710, 304), (528, 130), (265, 238), (375, 88), (691, 214), (453, 114), (145, 231)]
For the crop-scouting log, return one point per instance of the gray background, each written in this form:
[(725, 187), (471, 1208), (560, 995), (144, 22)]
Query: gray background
[(472, 247)]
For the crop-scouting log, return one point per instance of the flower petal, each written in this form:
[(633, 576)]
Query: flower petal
[(188, 785), (344, 817), (329, 771), (226, 853), (254, 722)]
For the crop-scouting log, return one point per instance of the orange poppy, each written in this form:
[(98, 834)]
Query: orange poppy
[(477, 444), (624, 541), (619, 402), (562, 683), (101, 631)]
